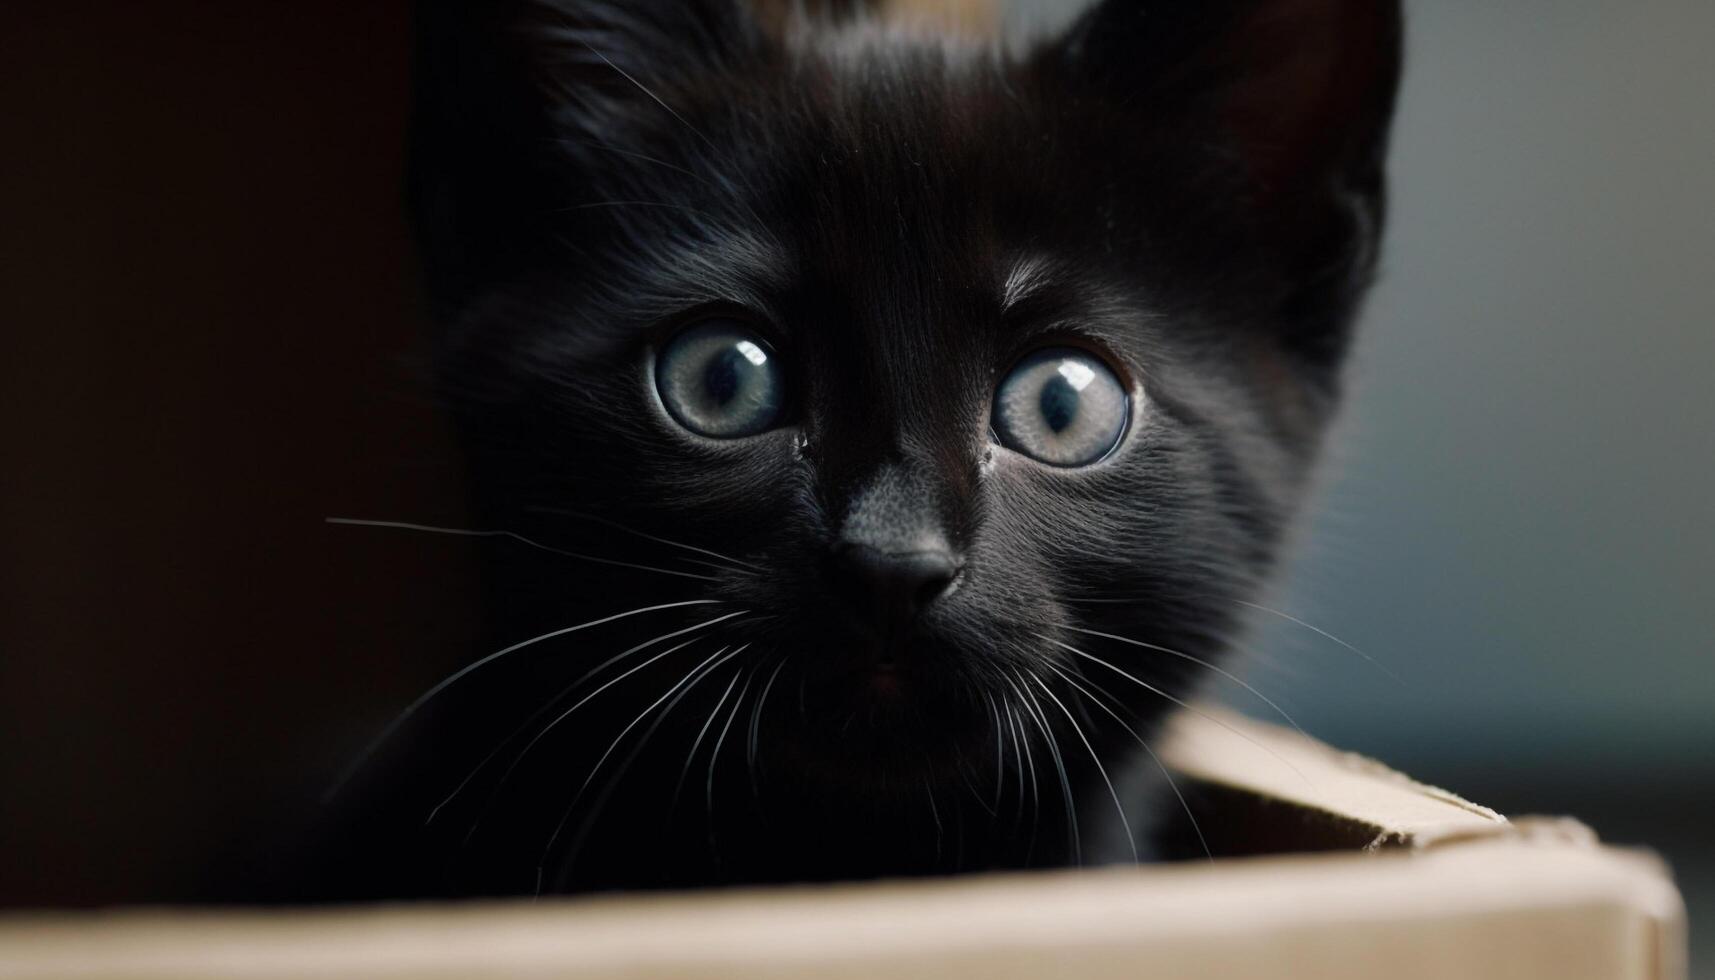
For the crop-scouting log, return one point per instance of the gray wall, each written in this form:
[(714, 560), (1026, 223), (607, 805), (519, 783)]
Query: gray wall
[(1521, 516)]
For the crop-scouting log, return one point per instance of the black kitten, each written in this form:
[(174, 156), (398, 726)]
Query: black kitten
[(913, 414)]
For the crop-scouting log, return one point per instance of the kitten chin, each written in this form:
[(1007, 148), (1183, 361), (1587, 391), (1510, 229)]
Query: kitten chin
[(891, 429)]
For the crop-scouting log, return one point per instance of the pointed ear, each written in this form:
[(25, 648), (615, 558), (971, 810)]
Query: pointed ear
[(1301, 89), (500, 84), (1295, 95)]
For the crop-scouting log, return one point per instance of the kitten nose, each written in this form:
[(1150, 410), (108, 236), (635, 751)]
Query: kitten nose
[(897, 585)]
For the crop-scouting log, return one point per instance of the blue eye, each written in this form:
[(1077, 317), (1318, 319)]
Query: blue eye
[(1061, 406), (719, 379)]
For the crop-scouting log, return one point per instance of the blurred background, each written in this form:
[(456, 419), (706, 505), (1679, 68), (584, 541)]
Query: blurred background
[(206, 330), (1519, 515)]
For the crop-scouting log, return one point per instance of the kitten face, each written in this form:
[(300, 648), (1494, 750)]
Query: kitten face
[(947, 360)]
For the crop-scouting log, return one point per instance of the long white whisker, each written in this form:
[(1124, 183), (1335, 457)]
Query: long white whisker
[(1320, 632), (586, 699), (469, 533), (1188, 706), (715, 753), (1166, 774), (1131, 841), (613, 783), (696, 671), (518, 759), (965, 779), (675, 693), (616, 658), (528, 722), (1034, 710), (756, 722), (1021, 752), (1201, 662), (580, 515), (705, 563), (935, 812), (411, 709), (703, 732), (999, 755)]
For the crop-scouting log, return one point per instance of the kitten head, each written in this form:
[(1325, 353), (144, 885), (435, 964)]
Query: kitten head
[(944, 357)]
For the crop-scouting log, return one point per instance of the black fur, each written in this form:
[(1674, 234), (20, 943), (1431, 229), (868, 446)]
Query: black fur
[(1190, 188)]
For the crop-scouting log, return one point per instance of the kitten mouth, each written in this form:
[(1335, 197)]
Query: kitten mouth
[(883, 727), (885, 679)]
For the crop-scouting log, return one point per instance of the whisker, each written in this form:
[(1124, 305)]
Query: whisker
[(705, 563), (676, 693), (1127, 600), (467, 533), (1034, 710), (756, 723), (1166, 774), (411, 709), (1131, 840), (715, 753), (607, 791), (935, 812), (1201, 662), (999, 755), (1320, 632), (550, 726), (555, 700), (965, 780), (580, 515), (697, 743), (1026, 764), (527, 723), (694, 672), (1181, 703)]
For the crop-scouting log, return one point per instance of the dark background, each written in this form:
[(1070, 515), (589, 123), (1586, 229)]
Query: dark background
[(206, 330), (206, 347)]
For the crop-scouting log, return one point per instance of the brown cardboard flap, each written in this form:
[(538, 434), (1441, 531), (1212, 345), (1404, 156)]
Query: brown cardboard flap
[(1279, 790)]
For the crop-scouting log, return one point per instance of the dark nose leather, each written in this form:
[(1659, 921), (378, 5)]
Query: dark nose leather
[(897, 586)]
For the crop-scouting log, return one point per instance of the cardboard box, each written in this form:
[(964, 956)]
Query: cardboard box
[(1367, 874)]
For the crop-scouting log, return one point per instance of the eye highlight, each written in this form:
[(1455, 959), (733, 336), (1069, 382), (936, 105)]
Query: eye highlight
[(1061, 406), (718, 378)]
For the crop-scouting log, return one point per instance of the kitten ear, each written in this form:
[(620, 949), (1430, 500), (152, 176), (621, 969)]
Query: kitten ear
[(1297, 93), (1304, 88), (499, 85), (510, 56)]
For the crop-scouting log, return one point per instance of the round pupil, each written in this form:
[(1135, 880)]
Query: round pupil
[(1058, 403), (721, 377)]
